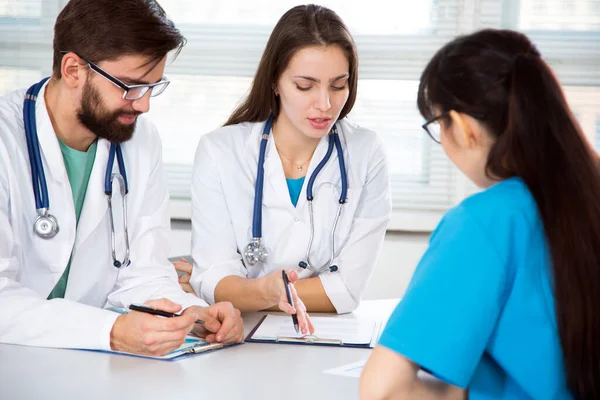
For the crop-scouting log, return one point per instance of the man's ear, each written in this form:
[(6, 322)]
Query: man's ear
[(71, 70), (463, 129)]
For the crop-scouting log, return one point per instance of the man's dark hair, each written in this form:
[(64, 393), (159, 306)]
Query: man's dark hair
[(109, 29)]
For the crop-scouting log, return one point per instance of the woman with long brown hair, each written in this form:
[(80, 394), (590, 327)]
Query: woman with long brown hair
[(506, 300), (327, 239)]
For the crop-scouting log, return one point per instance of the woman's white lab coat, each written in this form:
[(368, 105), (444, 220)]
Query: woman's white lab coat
[(224, 177), (31, 266)]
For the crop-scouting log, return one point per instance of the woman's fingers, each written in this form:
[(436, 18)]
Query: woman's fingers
[(303, 320), (183, 266), (188, 288)]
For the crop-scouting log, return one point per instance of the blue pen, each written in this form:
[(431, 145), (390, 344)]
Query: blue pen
[(288, 293)]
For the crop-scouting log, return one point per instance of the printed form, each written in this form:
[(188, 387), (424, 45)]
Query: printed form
[(347, 330)]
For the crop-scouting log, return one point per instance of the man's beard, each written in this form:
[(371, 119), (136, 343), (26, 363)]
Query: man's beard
[(104, 124)]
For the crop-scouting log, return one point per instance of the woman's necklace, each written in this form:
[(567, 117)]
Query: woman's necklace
[(299, 167)]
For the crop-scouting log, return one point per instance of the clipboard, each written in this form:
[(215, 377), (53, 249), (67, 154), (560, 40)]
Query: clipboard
[(191, 347), (316, 340)]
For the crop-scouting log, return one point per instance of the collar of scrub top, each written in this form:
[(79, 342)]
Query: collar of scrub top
[(38, 177), (333, 140)]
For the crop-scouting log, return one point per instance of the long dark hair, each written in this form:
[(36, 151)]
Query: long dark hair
[(501, 75), (108, 29), (300, 27)]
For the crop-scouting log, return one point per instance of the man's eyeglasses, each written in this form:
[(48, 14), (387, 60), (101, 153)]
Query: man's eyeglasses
[(131, 92), (433, 128)]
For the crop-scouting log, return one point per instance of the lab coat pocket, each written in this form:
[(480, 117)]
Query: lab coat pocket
[(54, 253)]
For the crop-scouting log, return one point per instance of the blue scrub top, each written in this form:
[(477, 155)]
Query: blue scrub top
[(295, 187), (479, 310)]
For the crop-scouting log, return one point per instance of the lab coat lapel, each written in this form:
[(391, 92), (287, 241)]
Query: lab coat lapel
[(95, 205), (52, 159), (274, 188), (275, 183), (253, 148)]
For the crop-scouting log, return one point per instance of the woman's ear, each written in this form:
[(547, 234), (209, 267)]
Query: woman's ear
[(463, 129)]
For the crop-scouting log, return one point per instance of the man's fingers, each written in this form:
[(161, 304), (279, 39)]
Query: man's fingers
[(211, 338), (236, 333), (165, 347), (211, 323), (227, 325), (185, 322), (156, 341), (164, 305), (231, 323)]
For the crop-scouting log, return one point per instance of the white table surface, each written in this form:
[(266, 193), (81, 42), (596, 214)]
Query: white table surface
[(249, 371)]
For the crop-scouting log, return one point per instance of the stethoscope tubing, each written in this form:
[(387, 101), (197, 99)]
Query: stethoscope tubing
[(38, 177)]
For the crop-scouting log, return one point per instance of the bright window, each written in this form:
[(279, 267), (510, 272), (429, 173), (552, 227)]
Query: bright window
[(395, 40)]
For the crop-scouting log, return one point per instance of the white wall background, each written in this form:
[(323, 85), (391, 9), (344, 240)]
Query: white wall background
[(399, 257)]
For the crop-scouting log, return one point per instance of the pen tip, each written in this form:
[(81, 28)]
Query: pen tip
[(297, 328)]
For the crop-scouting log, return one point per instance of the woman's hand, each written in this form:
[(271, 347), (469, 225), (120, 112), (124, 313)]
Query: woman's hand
[(275, 291), (184, 270)]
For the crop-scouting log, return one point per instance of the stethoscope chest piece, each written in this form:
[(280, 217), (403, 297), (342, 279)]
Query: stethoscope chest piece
[(255, 252), (46, 225)]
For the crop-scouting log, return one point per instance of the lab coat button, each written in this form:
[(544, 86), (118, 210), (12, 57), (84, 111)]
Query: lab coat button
[(296, 219)]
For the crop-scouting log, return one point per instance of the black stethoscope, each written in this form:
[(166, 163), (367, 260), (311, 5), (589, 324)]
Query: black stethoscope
[(255, 251), (46, 225)]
